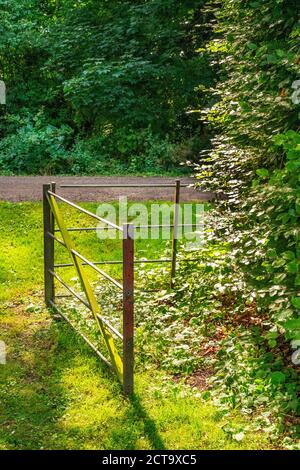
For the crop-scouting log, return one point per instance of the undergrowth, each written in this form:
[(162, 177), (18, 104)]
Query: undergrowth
[(215, 332)]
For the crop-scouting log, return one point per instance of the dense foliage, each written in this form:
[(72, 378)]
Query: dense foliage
[(96, 87), (256, 160)]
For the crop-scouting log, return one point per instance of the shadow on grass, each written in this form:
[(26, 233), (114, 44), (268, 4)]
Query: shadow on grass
[(31, 399), (55, 394), (150, 429)]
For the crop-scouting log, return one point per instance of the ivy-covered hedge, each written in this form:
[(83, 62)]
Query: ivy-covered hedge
[(255, 159)]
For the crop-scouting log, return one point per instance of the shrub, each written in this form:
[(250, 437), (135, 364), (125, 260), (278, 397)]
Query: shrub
[(36, 149)]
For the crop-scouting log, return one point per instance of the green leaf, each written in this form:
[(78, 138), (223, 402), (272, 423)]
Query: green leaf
[(262, 172), (297, 280), (277, 377), (272, 343), (251, 45), (290, 255), (293, 324), (206, 395), (296, 302), (292, 267)]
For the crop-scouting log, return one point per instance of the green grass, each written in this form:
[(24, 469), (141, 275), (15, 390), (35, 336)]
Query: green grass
[(120, 170), (55, 394), (21, 256)]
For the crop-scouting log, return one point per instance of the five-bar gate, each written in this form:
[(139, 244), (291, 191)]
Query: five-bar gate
[(54, 222), (52, 218)]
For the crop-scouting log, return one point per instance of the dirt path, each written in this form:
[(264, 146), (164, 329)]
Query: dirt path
[(29, 188)]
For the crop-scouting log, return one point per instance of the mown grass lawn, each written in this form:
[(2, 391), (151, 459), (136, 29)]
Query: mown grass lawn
[(55, 394)]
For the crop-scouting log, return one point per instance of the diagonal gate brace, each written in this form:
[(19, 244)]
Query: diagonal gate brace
[(92, 301)]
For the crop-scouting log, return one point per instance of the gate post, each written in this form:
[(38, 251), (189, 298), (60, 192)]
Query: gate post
[(128, 307), (48, 246), (175, 230)]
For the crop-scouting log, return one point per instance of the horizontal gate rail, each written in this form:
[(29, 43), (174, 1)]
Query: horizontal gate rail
[(136, 261), (78, 297), (95, 229), (85, 211), (86, 263), (83, 336), (58, 240), (69, 288), (142, 185), (92, 265)]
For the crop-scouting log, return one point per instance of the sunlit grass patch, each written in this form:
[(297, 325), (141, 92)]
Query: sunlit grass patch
[(55, 394), (62, 397)]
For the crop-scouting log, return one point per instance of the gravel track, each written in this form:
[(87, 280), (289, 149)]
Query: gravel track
[(29, 188)]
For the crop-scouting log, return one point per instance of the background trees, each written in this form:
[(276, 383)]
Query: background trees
[(92, 83)]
